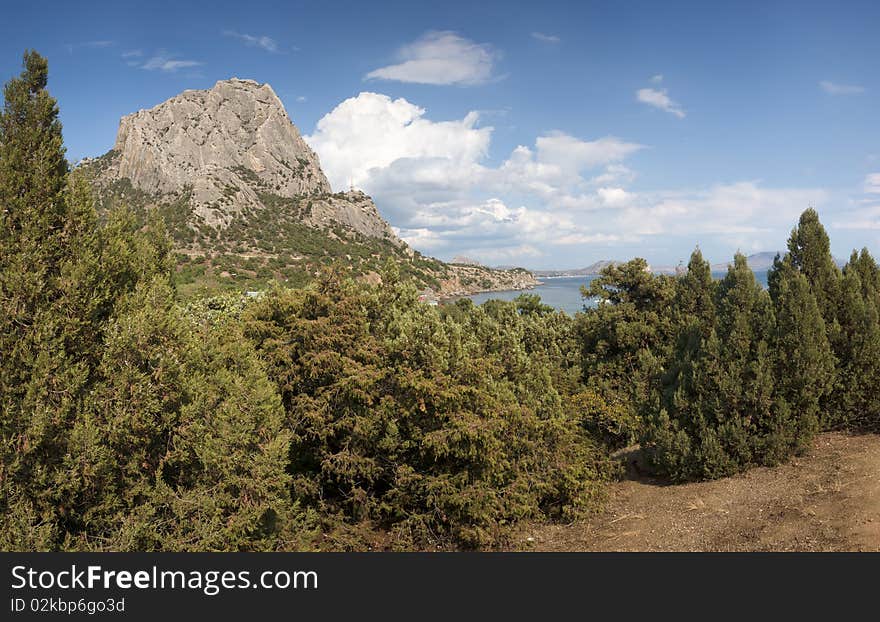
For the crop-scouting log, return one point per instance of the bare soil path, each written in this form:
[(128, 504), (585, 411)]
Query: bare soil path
[(828, 500)]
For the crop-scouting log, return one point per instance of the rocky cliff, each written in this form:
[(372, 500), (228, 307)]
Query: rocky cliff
[(245, 199), (224, 149)]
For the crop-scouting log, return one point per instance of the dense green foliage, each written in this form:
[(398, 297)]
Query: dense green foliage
[(625, 340), (342, 415), (733, 397), (259, 246), (428, 422), (337, 416), (724, 376)]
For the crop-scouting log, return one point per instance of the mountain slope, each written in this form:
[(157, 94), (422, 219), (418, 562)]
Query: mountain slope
[(245, 200)]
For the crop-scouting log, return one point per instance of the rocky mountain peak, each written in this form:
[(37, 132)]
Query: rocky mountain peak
[(225, 145)]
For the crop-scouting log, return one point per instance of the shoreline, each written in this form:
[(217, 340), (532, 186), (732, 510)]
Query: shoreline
[(442, 298)]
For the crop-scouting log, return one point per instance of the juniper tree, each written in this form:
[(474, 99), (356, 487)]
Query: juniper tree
[(42, 379), (856, 400), (676, 434), (810, 251), (804, 361), (627, 338), (721, 412), (180, 444), (695, 292)]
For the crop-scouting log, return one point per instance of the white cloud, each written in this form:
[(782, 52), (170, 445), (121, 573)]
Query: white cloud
[(540, 36), (372, 131), (614, 197), (872, 183), (866, 217), (573, 154), (262, 41), (725, 209), (163, 61), (423, 238), (434, 181), (614, 173), (660, 99), (440, 58), (431, 180), (301, 99), (657, 78), (133, 54), (504, 254), (833, 88)]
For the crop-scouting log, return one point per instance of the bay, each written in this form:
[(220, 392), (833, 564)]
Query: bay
[(563, 293)]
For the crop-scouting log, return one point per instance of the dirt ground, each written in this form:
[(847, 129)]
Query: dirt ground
[(828, 500)]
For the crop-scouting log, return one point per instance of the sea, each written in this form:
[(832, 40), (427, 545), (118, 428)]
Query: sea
[(564, 292)]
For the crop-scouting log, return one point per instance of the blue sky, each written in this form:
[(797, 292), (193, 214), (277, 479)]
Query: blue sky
[(545, 135)]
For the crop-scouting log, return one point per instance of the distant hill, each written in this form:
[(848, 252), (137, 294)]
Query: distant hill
[(757, 261), (592, 269)]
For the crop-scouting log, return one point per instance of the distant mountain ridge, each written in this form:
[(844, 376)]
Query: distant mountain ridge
[(757, 262), (592, 269)]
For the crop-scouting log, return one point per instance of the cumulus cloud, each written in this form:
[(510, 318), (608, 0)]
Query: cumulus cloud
[(372, 131), (431, 178), (436, 183), (834, 88), (164, 61), (261, 41), (659, 98), (540, 36), (440, 58), (614, 197), (872, 183)]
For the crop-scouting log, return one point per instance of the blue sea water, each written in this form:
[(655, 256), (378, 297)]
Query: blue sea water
[(564, 293)]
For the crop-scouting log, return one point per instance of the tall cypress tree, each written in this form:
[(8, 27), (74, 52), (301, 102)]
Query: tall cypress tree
[(695, 292), (804, 361), (40, 382), (745, 387), (678, 435), (60, 278), (721, 397), (810, 251), (869, 273)]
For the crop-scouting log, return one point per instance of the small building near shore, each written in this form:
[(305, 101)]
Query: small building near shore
[(428, 296)]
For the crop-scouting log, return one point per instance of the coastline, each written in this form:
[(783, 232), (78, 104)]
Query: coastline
[(457, 295)]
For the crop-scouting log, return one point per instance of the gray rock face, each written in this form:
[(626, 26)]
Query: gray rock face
[(355, 210), (226, 144)]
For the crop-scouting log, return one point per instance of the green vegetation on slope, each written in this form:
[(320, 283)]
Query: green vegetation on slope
[(341, 415), (259, 246), (326, 417)]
